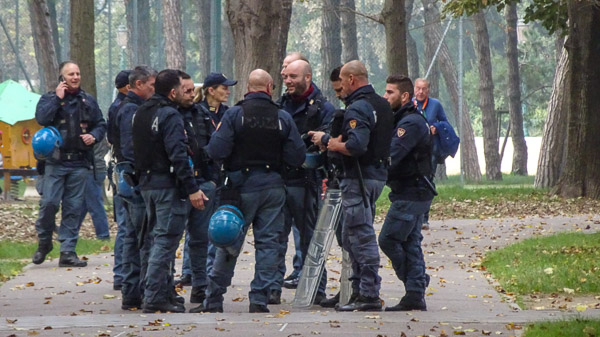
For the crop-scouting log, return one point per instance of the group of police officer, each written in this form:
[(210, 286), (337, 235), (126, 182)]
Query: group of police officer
[(181, 161)]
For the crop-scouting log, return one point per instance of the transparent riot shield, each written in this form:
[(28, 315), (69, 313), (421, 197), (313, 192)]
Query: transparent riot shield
[(314, 262)]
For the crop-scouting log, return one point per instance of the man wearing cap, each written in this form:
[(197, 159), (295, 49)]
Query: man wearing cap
[(122, 86)]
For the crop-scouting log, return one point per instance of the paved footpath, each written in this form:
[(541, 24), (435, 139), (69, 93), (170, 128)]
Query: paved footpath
[(49, 301)]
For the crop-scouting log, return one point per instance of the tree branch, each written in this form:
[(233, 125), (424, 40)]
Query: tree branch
[(376, 18)]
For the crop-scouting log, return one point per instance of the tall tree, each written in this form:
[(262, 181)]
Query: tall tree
[(519, 163), (489, 120), (331, 44), (469, 161), (54, 24), (348, 31), (43, 42), (202, 30), (260, 31), (174, 49), (394, 20), (431, 15), (581, 174), (411, 44), (82, 42), (552, 152), (227, 59)]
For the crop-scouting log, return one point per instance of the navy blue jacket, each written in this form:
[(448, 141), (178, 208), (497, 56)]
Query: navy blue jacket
[(47, 113), (191, 116), (172, 133), (124, 120), (215, 117), (112, 117), (359, 122), (223, 141), (410, 131)]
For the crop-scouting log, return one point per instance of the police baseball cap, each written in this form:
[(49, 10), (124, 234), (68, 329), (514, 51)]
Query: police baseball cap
[(122, 79), (216, 79)]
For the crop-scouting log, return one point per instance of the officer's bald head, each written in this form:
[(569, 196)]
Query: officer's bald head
[(297, 77), (353, 75), (291, 57), (260, 80), (301, 67)]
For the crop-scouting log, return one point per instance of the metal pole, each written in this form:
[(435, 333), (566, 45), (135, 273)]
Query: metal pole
[(135, 35), (215, 38), (460, 95), (17, 37), (110, 44), (12, 46), (438, 49)]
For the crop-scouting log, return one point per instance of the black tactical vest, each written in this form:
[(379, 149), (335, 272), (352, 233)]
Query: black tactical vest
[(259, 144), (116, 131), (310, 118), (197, 126), (149, 150), (417, 162), (378, 149), (74, 120)]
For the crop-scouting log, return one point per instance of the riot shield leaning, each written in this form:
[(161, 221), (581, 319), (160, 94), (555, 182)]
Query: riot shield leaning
[(314, 262)]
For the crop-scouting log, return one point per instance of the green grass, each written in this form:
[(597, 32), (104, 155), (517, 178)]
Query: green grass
[(570, 328), (523, 268), (15, 255), (21, 183), (507, 179)]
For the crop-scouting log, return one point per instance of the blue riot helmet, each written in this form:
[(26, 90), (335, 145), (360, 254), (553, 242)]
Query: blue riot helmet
[(226, 226), (313, 160), (125, 179), (45, 142)]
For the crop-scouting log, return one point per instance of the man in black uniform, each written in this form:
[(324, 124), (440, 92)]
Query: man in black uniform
[(79, 120), (400, 237), (166, 181), (364, 145)]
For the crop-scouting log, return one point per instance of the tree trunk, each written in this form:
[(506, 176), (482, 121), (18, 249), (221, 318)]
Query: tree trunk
[(331, 45), (431, 15), (43, 43), (82, 43), (260, 32), (174, 50), (519, 164), (348, 31), (411, 44), (552, 151), (394, 20), (489, 120), (138, 34), (54, 25), (228, 51), (581, 175), (469, 161), (202, 31)]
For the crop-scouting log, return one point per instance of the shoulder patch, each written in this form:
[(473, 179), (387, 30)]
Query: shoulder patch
[(401, 132), (352, 123)]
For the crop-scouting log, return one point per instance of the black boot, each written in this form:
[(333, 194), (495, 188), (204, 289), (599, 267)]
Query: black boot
[(40, 254), (131, 303), (362, 303), (291, 282), (257, 308), (184, 281), (352, 299), (411, 301), (201, 308), (163, 307), (331, 302), (275, 297), (175, 298), (198, 295), (70, 259), (319, 297)]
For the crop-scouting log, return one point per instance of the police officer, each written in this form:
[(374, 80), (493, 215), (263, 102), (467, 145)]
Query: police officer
[(166, 181), (364, 144), (198, 127), (255, 139), (400, 237), (310, 110), (136, 245), (79, 120)]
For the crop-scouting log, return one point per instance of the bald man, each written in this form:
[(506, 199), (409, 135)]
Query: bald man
[(364, 144), (254, 140), (310, 110)]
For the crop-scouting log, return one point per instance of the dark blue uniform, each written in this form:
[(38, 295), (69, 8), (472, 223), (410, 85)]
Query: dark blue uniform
[(166, 181), (66, 172), (367, 131), (400, 237), (135, 249), (262, 195), (303, 186), (199, 127)]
